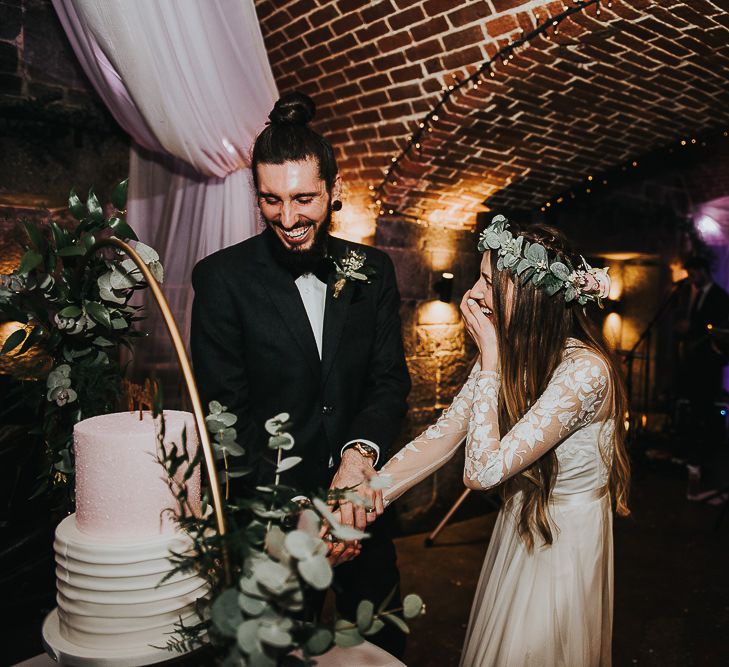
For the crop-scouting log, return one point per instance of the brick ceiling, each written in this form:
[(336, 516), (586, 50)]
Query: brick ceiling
[(606, 89)]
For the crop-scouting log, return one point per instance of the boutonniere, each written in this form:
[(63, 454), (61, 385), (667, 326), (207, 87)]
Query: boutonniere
[(352, 268)]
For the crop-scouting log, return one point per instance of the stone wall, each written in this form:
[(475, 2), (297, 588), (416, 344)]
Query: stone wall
[(438, 351), (55, 133)]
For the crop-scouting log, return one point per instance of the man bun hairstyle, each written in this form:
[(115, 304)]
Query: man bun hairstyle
[(293, 109), (288, 138)]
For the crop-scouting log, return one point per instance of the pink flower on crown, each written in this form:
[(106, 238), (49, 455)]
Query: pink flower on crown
[(594, 282)]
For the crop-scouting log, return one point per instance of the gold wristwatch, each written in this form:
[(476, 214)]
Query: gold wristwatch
[(366, 450)]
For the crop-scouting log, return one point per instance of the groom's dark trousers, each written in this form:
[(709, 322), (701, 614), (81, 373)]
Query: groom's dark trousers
[(254, 351)]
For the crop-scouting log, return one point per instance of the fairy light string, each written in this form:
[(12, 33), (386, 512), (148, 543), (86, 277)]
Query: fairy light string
[(425, 125)]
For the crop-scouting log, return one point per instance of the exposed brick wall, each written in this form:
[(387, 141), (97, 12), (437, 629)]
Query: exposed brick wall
[(605, 89), (55, 133)]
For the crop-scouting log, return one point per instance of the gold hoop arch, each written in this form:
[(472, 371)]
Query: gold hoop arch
[(186, 368)]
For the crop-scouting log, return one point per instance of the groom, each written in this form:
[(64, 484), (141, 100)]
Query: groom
[(275, 328)]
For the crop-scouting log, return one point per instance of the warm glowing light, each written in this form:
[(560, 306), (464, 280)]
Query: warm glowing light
[(438, 312), (678, 273), (616, 286), (448, 275), (355, 223), (709, 326), (613, 330), (643, 420)]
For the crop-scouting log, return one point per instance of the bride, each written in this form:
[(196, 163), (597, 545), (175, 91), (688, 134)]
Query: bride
[(542, 416)]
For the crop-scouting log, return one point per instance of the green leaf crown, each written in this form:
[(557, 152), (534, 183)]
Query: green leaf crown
[(531, 262)]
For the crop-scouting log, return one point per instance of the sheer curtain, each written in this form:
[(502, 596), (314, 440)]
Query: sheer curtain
[(190, 81)]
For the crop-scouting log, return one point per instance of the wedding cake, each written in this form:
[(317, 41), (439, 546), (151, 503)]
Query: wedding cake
[(112, 554)]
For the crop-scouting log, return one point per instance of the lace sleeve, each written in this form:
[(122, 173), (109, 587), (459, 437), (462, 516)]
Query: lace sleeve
[(432, 448), (575, 397)]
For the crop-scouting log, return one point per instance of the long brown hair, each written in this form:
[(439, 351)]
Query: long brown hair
[(532, 329)]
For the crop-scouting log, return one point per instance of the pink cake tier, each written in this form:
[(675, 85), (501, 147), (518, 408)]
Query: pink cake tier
[(121, 488)]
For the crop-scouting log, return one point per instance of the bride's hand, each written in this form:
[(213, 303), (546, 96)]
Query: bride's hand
[(481, 328)]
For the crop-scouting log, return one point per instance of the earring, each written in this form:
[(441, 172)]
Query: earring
[(336, 205)]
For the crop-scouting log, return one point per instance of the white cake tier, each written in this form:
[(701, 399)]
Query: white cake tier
[(121, 488), (107, 602)]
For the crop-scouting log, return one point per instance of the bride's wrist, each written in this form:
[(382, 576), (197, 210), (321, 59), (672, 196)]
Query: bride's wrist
[(489, 362)]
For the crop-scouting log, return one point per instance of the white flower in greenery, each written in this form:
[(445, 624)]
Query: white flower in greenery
[(62, 396), (59, 386)]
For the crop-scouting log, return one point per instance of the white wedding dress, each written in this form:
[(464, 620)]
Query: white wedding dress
[(551, 606)]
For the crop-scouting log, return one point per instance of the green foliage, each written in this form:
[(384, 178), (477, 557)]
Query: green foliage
[(531, 263), (77, 312), (277, 555)]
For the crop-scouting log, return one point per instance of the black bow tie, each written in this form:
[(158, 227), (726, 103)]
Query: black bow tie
[(321, 269)]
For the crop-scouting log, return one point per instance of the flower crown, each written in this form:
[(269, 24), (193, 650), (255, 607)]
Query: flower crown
[(530, 261)]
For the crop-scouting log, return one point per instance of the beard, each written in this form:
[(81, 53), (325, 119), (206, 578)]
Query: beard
[(301, 261)]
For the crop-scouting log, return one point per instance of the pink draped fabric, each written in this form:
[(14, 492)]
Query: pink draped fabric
[(191, 83)]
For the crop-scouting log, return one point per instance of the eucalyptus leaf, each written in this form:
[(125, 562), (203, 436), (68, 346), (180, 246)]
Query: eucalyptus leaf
[(320, 641), (213, 424), (300, 544), (272, 575), (274, 635), (309, 522), (275, 539), (395, 620), (283, 441), (250, 605), (412, 606), (316, 571), (346, 635), (377, 625), (380, 481), (532, 253), (365, 615), (288, 463), (234, 449), (235, 473), (247, 635), (225, 613), (347, 533), (274, 425), (559, 270)]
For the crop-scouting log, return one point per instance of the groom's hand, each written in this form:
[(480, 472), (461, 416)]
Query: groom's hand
[(355, 470)]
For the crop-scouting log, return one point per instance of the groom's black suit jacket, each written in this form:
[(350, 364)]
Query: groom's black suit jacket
[(253, 350)]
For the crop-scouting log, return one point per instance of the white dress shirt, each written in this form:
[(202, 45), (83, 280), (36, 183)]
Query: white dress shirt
[(314, 295)]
